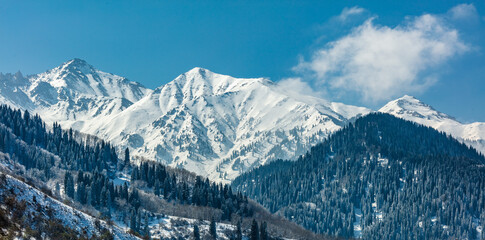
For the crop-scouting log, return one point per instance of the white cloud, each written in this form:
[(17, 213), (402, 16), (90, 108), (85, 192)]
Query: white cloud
[(297, 87), (464, 12), (379, 62), (347, 12)]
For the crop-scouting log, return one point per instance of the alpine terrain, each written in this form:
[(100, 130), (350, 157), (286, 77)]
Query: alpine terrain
[(381, 177), (211, 124), (119, 160), (410, 108), (57, 184)]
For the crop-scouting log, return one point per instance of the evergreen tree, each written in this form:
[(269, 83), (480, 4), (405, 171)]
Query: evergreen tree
[(254, 231), (238, 231), (127, 157), (263, 232), (133, 224), (213, 229), (196, 232), (146, 230), (69, 185)]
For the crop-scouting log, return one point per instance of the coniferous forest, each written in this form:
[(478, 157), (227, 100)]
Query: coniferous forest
[(88, 174), (88, 170), (378, 178)]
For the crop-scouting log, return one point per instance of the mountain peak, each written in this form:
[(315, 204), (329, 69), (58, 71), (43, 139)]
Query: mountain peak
[(76, 65), (198, 77), (197, 70), (409, 107), (77, 61), (405, 102), (408, 98), (76, 78)]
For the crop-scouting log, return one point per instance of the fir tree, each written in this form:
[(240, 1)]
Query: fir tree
[(263, 231), (254, 231), (69, 185), (196, 232), (238, 231), (146, 229), (213, 229), (133, 224), (127, 157)]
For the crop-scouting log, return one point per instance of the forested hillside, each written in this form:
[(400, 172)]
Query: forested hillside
[(148, 198), (378, 178)]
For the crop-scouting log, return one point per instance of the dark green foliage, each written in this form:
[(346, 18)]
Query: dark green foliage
[(213, 229), (254, 235), (69, 184), (91, 167), (127, 157), (424, 184), (73, 155), (238, 231), (263, 234), (146, 228), (133, 224), (196, 232), (200, 193)]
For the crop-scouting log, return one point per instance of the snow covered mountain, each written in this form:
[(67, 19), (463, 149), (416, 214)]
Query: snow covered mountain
[(72, 93), (211, 124), (214, 125), (219, 126), (410, 108)]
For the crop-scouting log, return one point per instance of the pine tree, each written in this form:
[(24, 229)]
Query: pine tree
[(133, 221), (196, 232), (213, 229), (81, 188), (254, 231), (239, 231), (127, 157), (146, 229), (138, 221), (263, 232), (69, 184)]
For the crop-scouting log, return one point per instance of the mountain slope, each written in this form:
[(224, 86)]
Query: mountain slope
[(381, 177), (214, 125), (44, 212), (410, 108), (220, 126), (87, 174)]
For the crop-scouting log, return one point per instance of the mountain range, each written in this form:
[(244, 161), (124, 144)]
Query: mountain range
[(380, 177), (211, 124)]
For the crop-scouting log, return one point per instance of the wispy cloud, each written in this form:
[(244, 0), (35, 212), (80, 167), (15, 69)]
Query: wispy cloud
[(380, 62), (348, 12), (464, 12), (297, 87)]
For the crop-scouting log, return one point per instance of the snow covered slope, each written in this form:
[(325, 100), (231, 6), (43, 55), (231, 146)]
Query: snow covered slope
[(220, 126), (41, 204), (410, 108), (38, 203), (214, 125)]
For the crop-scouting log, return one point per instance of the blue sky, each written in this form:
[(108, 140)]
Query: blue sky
[(356, 52)]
